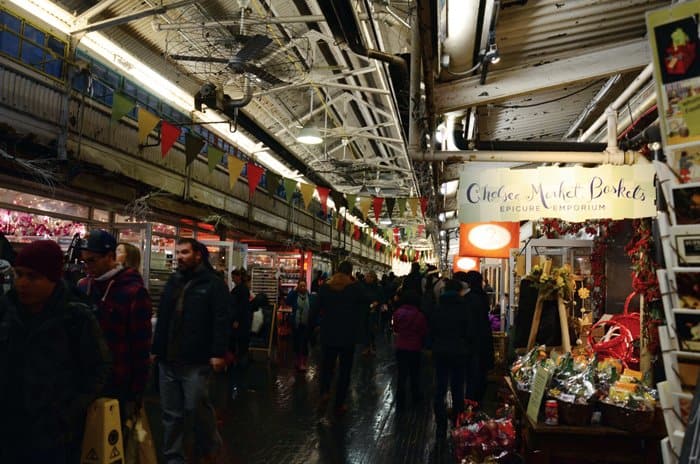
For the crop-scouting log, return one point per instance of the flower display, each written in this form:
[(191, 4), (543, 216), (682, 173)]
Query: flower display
[(584, 293), (557, 283)]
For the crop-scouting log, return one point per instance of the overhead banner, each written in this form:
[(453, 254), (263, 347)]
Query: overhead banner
[(573, 194)]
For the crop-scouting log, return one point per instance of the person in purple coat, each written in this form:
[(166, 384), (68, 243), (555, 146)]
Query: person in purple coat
[(410, 328)]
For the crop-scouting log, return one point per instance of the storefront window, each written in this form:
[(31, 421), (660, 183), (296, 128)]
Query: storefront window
[(164, 229), (100, 215), (50, 205), (23, 227)]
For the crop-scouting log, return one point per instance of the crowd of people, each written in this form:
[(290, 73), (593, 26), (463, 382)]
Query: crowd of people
[(63, 345)]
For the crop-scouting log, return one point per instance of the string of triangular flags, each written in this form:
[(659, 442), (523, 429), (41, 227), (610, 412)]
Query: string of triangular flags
[(237, 167)]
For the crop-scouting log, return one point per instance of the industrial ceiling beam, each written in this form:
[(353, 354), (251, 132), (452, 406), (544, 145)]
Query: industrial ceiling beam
[(464, 93), (131, 17)]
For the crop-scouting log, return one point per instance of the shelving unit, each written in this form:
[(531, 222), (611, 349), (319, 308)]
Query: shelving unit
[(263, 274), (290, 272)]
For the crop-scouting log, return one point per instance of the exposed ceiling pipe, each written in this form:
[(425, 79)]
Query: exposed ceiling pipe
[(591, 105), (619, 101), (462, 18), (604, 157)]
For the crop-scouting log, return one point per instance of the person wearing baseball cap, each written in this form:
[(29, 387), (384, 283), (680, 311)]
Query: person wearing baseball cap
[(53, 361), (124, 312)]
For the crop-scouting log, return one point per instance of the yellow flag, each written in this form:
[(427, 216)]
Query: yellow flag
[(413, 202), (235, 166), (147, 122), (307, 193), (365, 203)]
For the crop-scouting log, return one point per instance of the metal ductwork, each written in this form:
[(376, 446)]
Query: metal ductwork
[(344, 23)]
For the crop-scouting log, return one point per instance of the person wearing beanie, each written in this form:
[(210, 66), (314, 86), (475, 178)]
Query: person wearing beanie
[(54, 361), (124, 312)]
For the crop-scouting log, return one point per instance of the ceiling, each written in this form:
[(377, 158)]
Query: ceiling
[(340, 66)]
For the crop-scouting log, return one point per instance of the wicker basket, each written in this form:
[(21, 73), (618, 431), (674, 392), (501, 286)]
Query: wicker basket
[(574, 413), (627, 419)]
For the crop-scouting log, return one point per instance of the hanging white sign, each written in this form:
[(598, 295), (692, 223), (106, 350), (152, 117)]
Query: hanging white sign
[(571, 193)]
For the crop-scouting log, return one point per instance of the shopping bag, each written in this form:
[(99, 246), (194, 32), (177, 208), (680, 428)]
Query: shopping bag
[(257, 323), (139, 446)]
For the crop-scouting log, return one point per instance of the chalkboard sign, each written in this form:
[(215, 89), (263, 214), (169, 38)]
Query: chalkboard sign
[(690, 452)]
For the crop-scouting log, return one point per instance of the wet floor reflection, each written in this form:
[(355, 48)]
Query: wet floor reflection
[(275, 419)]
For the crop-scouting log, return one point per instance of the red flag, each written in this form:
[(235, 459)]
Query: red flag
[(323, 198), (396, 234), (168, 136), (424, 205), (374, 230), (377, 202), (356, 233), (421, 229), (254, 174)]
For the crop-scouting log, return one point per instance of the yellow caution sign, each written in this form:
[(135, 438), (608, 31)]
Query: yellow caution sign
[(103, 441)]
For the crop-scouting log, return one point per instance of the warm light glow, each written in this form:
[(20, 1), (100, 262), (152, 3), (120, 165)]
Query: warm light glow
[(467, 264), (489, 236)]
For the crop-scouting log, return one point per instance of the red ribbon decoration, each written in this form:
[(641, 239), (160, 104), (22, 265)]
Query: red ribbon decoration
[(424, 205)]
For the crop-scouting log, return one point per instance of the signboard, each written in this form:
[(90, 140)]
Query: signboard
[(570, 193), (674, 38), (539, 385), (488, 239)]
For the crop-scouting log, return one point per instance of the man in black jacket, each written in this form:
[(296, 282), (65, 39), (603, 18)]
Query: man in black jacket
[(53, 362), (189, 343), (340, 303)]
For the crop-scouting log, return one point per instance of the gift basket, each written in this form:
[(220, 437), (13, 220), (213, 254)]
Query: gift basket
[(628, 405), (525, 368), (479, 438), (573, 387)]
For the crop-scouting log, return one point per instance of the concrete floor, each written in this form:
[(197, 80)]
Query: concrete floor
[(275, 419)]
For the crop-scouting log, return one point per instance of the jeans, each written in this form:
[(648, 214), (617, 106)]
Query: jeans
[(328, 359), (408, 363), (449, 369), (476, 378), (184, 399), (301, 340)]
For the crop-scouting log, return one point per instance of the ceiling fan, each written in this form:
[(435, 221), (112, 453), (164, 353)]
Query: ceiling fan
[(242, 62)]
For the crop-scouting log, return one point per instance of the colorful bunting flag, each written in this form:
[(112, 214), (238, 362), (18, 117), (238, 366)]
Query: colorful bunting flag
[(214, 157), (390, 203), (424, 205), (121, 105), (290, 186), (272, 181), (193, 145), (365, 203), (254, 174), (351, 201), (413, 202), (323, 198), (402, 206), (168, 136), (147, 122), (377, 202), (235, 166), (338, 199), (307, 193)]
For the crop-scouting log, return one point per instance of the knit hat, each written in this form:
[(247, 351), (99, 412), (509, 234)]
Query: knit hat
[(100, 241), (44, 257)]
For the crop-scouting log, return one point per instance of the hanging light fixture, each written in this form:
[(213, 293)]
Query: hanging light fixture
[(310, 134)]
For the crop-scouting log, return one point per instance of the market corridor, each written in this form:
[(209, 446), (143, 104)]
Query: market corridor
[(274, 418)]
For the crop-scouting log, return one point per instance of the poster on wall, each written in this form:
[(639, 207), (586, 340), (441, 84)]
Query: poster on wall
[(574, 194), (674, 37)]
